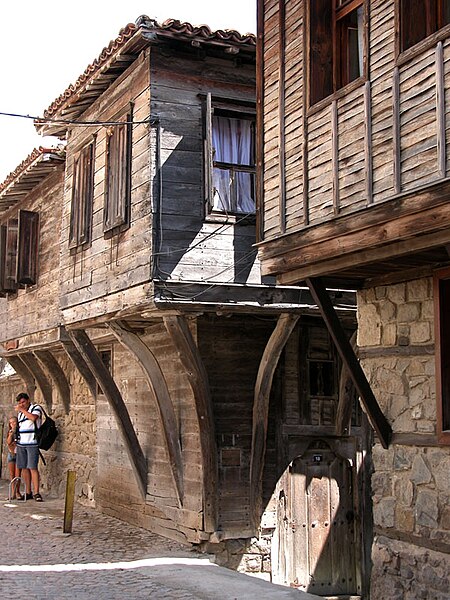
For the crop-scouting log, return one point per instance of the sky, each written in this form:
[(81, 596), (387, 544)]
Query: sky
[(47, 45)]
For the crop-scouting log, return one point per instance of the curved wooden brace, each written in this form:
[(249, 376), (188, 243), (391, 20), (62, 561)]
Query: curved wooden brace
[(24, 373), (268, 364), (57, 375), (114, 397), (78, 361), (133, 343), (40, 377), (346, 389), (180, 333)]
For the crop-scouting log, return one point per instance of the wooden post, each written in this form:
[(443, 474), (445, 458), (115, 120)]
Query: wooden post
[(70, 498)]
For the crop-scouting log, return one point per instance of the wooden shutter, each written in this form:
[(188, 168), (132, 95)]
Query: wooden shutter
[(118, 177), (321, 49), (208, 154), (82, 198), (3, 230), (28, 238), (9, 281)]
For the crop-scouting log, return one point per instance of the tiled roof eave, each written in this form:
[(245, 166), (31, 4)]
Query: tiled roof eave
[(29, 174), (120, 53)]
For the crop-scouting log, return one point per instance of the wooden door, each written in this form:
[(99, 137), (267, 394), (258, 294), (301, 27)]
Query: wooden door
[(318, 522)]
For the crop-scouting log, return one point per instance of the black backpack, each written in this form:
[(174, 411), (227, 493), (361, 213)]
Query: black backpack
[(47, 432)]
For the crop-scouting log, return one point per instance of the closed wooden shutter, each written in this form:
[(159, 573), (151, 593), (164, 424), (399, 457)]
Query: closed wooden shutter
[(118, 177), (82, 198), (28, 237), (10, 283), (3, 230)]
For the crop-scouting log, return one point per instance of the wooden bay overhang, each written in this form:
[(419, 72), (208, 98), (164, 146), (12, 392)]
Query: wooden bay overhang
[(124, 50), (29, 174), (410, 231)]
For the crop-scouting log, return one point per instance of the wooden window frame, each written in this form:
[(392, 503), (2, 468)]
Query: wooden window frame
[(434, 23), (82, 198), (441, 284), (337, 53), (117, 205), (234, 108)]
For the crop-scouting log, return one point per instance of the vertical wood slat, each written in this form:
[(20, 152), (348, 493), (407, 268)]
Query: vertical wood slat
[(260, 122), (368, 151), (335, 155), (281, 113), (396, 130), (440, 109)]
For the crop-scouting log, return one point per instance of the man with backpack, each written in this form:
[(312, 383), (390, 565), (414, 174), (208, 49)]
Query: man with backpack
[(27, 450)]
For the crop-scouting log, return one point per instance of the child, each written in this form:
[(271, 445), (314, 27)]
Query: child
[(11, 440)]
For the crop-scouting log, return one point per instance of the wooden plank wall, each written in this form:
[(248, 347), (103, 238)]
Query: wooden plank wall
[(111, 265), (223, 343), (387, 136), (36, 307), (190, 246)]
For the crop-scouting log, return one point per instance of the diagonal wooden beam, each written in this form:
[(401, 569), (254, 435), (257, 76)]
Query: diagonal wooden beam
[(142, 353), (346, 397), (78, 361), (190, 358), (348, 356), (57, 375), (40, 377), (267, 366), (24, 373), (114, 397)]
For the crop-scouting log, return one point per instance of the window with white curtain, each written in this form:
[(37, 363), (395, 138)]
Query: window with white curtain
[(231, 150)]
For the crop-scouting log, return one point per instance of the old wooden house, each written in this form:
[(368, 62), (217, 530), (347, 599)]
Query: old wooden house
[(355, 121), (184, 382)]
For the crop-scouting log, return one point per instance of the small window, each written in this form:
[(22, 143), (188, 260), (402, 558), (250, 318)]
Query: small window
[(82, 198), (231, 158), (421, 18), (118, 177), (442, 328), (336, 45), (19, 239)]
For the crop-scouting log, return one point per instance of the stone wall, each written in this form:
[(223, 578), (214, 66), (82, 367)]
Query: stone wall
[(411, 480), (75, 447)]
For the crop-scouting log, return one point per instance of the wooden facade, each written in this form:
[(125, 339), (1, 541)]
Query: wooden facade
[(184, 382), (354, 150)]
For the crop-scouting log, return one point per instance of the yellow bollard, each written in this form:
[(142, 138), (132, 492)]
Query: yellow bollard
[(70, 499)]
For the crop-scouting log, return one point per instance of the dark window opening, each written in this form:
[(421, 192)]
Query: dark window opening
[(336, 45), (118, 178), (421, 18), (82, 198), (442, 316)]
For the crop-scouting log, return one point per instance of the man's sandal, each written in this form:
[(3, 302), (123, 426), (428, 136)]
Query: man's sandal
[(38, 497)]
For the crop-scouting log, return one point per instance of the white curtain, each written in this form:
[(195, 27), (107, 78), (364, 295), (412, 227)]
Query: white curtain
[(232, 144)]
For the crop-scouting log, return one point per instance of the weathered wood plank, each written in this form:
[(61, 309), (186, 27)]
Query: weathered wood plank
[(137, 459), (40, 377), (269, 361), (142, 353), (190, 357)]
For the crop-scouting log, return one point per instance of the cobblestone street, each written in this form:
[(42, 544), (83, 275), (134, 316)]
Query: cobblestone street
[(105, 558)]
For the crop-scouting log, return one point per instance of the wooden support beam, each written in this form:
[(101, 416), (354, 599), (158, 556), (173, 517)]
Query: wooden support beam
[(374, 413), (346, 396), (78, 361), (191, 360), (40, 377), (155, 378), (114, 397), (268, 364), (57, 375), (24, 373)]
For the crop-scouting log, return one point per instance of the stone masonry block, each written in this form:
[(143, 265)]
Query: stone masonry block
[(408, 313), (418, 290)]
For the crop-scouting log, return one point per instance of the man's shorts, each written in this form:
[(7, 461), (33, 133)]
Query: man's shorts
[(27, 457)]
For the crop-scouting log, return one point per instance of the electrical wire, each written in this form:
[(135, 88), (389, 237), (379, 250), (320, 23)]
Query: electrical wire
[(48, 121)]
